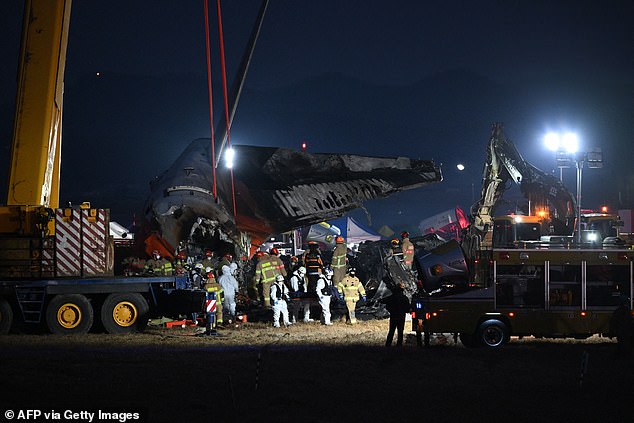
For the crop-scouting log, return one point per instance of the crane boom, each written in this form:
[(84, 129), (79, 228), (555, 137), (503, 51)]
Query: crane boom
[(35, 152)]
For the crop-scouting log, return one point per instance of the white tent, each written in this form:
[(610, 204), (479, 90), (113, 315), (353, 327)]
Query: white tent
[(354, 232)]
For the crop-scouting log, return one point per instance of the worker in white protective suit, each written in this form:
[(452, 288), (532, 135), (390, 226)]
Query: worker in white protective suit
[(324, 292), (229, 285), (298, 291), (279, 295)]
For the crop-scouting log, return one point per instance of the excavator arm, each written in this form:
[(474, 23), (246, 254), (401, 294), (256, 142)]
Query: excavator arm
[(504, 163)]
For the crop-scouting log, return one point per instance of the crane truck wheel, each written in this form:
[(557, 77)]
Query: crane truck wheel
[(492, 333), (124, 313), (69, 314), (6, 316)]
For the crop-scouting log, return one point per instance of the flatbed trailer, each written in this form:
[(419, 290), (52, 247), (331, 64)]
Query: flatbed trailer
[(75, 305)]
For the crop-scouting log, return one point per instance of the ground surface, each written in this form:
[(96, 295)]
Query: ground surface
[(313, 373)]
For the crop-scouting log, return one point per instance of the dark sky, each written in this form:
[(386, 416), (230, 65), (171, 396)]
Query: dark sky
[(402, 78)]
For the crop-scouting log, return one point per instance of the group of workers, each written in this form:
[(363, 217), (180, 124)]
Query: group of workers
[(311, 281), (290, 293)]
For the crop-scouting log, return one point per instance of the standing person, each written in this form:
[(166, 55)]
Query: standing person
[(278, 295), (396, 249), (226, 260), (265, 274), (277, 261), (324, 292), (229, 286), (398, 305), (314, 265), (338, 263), (298, 288), (210, 285), (351, 288), (408, 250), (179, 263), (210, 260)]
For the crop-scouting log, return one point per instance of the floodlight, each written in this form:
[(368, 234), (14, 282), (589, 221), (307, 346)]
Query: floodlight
[(570, 142), (552, 141), (229, 156)]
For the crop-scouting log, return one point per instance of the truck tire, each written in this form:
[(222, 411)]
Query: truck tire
[(493, 333), (6, 316), (124, 313), (69, 314)]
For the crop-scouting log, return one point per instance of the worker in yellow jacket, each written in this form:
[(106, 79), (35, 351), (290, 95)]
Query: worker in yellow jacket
[(351, 288)]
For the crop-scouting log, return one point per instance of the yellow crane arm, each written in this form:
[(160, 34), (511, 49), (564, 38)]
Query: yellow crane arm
[(37, 133)]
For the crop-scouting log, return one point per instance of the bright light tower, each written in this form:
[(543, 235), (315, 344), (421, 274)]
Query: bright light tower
[(230, 155), (565, 145)]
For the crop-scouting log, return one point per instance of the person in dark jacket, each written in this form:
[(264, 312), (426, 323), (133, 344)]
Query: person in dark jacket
[(398, 305)]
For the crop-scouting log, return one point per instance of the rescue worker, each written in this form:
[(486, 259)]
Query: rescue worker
[(314, 265), (408, 250), (210, 260), (157, 265), (229, 286), (198, 276), (179, 263), (324, 292), (396, 249), (210, 285), (351, 288), (265, 273), (397, 305), (338, 264), (298, 290), (278, 295), (226, 260), (277, 261)]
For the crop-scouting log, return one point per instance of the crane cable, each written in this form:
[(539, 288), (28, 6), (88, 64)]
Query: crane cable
[(211, 105), (224, 88)]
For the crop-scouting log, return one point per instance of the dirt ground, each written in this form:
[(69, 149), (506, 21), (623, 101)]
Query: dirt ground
[(312, 373)]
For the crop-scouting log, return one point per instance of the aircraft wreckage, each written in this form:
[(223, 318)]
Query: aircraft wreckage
[(274, 190)]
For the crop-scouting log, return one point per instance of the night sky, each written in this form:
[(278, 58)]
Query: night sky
[(404, 78)]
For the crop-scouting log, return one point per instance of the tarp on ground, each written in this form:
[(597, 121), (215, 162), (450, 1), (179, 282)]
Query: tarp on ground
[(354, 232)]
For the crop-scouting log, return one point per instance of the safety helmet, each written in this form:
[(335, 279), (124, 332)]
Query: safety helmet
[(328, 273), (312, 245), (295, 259), (301, 270), (187, 266), (228, 256), (279, 278), (339, 240), (404, 234), (198, 266), (208, 269), (274, 251), (259, 254), (352, 271), (209, 252), (395, 241)]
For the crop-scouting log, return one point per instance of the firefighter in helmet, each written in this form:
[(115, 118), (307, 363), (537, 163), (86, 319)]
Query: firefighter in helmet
[(396, 249), (351, 288), (408, 250), (338, 263), (265, 272)]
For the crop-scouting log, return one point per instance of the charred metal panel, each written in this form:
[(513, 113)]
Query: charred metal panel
[(279, 189)]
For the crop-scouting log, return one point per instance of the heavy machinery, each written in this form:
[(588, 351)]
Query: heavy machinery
[(56, 264), (525, 274)]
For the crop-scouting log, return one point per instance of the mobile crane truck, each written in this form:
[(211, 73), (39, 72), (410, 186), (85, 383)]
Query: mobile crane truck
[(56, 264)]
